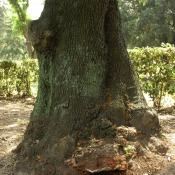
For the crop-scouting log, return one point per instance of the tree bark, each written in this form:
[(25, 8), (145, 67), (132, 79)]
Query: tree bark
[(30, 49), (87, 83), (173, 37)]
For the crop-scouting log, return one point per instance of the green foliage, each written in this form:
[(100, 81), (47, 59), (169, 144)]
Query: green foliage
[(20, 22), (12, 44), (148, 22), (129, 150), (16, 77), (12, 47), (156, 69), (20, 19)]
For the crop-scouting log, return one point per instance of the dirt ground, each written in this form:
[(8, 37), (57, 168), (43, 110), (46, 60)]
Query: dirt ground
[(14, 117)]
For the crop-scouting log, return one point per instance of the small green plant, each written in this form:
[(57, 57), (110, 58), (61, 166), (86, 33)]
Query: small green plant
[(129, 150)]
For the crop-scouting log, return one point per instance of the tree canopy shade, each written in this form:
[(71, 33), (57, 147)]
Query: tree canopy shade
[(86, 81)]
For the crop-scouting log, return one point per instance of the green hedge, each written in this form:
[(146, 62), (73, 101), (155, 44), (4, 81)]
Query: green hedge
[(16, 77), (156, 70)]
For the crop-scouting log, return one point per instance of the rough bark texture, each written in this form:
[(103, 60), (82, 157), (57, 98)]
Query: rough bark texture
[(86, 81), (174, 27)]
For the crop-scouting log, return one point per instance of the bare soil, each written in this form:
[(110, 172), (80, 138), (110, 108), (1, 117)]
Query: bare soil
[(14, 117)]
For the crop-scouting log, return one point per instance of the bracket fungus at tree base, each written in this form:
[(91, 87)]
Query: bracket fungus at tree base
[(100, 158)]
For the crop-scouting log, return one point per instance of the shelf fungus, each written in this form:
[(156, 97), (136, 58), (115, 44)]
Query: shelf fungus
[(100, 159)]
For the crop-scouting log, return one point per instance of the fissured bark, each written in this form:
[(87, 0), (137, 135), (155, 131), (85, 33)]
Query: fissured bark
[(87, 83)]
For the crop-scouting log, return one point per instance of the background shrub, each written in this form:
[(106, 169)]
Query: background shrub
[(156, 70), (16, 77), (155, 67)]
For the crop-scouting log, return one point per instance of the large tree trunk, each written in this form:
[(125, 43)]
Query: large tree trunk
[(173, 16), (86, 80)]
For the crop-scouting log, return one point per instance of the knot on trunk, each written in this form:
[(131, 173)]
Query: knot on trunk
[(40, 34)]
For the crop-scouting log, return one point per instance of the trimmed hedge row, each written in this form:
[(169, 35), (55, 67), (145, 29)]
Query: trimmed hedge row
[(155, 68), (16, 77)]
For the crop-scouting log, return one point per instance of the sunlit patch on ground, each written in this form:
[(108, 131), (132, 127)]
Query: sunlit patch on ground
[(14, 117), (167, 101)]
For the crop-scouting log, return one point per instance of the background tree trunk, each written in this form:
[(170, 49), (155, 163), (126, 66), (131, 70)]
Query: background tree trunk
[(30, 49), (86, 81)]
